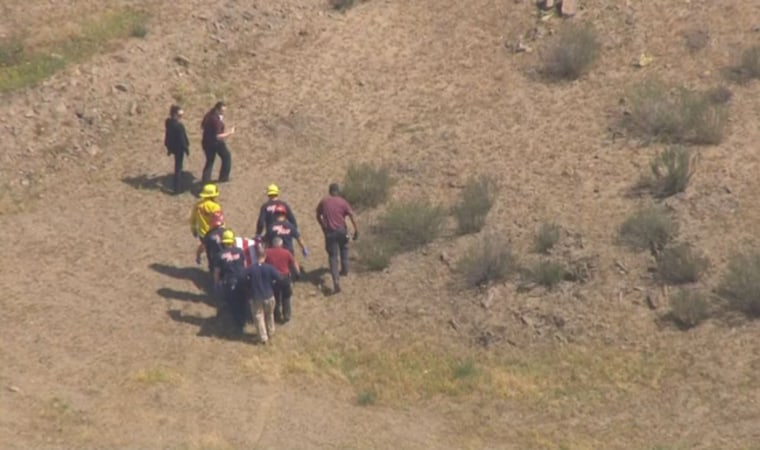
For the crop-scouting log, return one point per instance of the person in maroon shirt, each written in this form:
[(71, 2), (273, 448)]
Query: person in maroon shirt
[(283, 261), (331, 215), (214, 143)]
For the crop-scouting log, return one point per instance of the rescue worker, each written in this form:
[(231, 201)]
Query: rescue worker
[(215, 143), (267, 211), (200, 216), (261, 278), (212, 242), (283, 261), (285, 230), (331, 215), (176, 143), (229, 283)]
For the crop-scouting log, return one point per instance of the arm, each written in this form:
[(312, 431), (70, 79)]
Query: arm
[(217, 273), (291, 217), (353, 222), (261, 222), (319, 216), (185, 141)]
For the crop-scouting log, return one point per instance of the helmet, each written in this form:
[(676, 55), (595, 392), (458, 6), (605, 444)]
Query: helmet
[(209, 191), (273, 190), (280, 210), (228, 237), (217, 219)]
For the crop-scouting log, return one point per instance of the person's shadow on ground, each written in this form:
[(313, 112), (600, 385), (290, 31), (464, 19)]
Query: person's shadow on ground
[(317, 278), (163, 183), (219, 326), (200, 278)]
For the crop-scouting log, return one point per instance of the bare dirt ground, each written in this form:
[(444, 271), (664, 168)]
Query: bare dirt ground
[(108, 339)]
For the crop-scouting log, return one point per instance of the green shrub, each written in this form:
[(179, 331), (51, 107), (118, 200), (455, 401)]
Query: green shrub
[(478, 197), (679, 264), (681, 116), (411, 224), (465, 369), (139, 30), (488, 260), (689, 307), (696, 39), (546, 237), (374, 253), (548, 273), (572, 53), (651, 227), (366, 398), (342, 5), (366, 186), (749, 63), (741, 283), (671, 172)]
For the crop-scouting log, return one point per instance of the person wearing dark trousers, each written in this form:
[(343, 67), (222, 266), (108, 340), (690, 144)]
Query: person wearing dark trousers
[(267, 211), (176, 142), (331, 215), (283, 261), (229, 285), (215, 143)]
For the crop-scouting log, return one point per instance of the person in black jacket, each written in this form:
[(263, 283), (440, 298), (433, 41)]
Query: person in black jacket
[(176, 142)]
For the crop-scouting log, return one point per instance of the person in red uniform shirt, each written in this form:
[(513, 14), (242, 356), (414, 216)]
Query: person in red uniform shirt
[(331, 215), (282, 260)]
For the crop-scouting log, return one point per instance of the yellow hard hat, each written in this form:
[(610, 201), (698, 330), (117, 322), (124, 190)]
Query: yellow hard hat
[(209, 191), (228, 237), (273, 190)]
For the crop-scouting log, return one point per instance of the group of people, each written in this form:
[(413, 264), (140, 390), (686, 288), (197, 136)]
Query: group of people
[(214, 143), (253, 276)]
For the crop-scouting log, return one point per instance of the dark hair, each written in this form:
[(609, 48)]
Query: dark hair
[(218, 106), (174, 110), (334, 188)]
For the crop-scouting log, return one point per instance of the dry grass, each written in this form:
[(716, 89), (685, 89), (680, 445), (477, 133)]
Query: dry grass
[(670, 172), (748, 67), (24, 69), (489, 260), (680, 263), (572, 53), (412, 224), (689, 307), (649, 228), (374, 252), (477, 199), (548, 273), (366, 186), (658, 112), (546, 237), (741, 283), (156, 376)]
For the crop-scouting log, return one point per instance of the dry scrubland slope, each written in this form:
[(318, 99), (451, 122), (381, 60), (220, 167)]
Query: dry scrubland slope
[(107, 341)]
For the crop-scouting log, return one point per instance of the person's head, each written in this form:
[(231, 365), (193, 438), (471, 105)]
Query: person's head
[(228, 238), (219, 107), (217, 220), (277, 242), (210, 191), (176, 112), (273, 191), (334, 189), (261, 253), (280, 213)]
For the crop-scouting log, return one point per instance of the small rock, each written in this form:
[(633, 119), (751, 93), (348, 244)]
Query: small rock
[(519, 47), (546, 4), (93, 150), (445, 258), (25, 182), (569, 8), (728, 189), (653, 300), (15, 389), (29, 115), (182, 61), (454, 324), (133, 109), (121, 87), (487, 301)]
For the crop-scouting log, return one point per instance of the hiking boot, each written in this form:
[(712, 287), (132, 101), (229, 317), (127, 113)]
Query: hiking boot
[(336, 290)]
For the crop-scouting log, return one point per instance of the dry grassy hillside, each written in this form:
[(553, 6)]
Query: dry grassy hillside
[(109, 339)]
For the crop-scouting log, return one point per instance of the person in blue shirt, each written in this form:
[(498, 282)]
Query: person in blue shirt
[(287, 231), (229, 269), (260, 278)]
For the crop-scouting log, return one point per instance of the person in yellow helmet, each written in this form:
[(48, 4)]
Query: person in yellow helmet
[(203, 212), (229, 266), (267, 214)]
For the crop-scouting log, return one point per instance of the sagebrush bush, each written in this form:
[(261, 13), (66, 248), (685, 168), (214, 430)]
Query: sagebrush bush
[(572, 53), (546, 237), (548, 273), (139, 30), (366, 186), (411, 224), (650, 227), (374, 252), (488, 260), (696, 39), (680, 263), (671, 172), (679, 116), (749, 63), (689, 307), (477, 199), (741, 283), (11, 51), (342, 5)]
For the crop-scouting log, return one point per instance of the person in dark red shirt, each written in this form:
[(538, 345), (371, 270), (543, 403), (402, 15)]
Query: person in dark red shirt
[(331, 215), (283, 261), (266, 212), (214, 143)]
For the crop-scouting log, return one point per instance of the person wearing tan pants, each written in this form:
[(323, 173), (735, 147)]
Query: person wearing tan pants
[(261, 278)]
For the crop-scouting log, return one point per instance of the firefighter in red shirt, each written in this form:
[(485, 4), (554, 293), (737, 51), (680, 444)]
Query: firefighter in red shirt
[(282, 260)]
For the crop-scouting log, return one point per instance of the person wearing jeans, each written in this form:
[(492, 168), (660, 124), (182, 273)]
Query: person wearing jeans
[(261, 278), (215, 143), (282, 260), (331, 215)]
